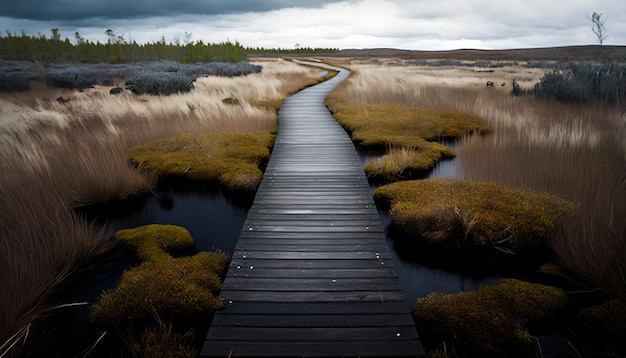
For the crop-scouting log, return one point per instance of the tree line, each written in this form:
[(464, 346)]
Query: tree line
[(117, 49)]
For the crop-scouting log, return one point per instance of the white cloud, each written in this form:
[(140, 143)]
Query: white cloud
[(405, 24)]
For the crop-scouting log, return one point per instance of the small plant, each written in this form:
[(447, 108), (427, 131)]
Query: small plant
[(491, 321)]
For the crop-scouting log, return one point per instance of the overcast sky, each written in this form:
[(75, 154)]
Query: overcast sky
[(402, 24)]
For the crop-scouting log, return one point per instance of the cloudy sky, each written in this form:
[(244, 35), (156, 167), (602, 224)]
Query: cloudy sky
[(402, 24)]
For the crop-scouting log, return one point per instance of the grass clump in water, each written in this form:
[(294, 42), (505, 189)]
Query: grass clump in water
[(491, 321), (162, 285), (401, 163), (230, 159), (608, 321), (478, 217), (388, 126)]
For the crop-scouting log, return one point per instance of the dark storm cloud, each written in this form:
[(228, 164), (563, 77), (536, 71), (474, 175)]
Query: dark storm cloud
[(67, 10)]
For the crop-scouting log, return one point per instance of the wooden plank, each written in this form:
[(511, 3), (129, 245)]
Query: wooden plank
[(312, 296), (286, 334), (300, 273), (311, 284), (251, 263), (242, 349), (314, 320)]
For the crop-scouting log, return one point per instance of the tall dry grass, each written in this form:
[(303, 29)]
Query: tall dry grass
[(55, 157), (574, 151)]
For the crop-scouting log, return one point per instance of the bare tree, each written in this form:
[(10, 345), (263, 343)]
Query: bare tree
[(599, 29)]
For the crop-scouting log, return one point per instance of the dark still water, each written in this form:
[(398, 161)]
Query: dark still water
[(214, 220)]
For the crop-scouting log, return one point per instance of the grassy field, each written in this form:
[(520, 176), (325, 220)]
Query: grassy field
[(59, 156)]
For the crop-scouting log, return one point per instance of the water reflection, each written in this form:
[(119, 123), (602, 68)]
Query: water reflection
[(213, 219)]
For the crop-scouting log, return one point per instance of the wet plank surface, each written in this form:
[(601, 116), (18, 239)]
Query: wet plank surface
[(312, 275)]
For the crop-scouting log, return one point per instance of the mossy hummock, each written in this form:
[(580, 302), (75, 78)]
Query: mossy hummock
[(405, 128), (472, 216), (491, 321), (163, 286), (230, 159)]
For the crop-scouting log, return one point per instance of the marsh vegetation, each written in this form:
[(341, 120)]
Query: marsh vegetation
[(61, 156), (57, 157), (572, 150)]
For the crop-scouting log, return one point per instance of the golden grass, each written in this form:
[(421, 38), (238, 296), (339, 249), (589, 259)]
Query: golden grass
[(576, 152), (58, 156), (230, 159)]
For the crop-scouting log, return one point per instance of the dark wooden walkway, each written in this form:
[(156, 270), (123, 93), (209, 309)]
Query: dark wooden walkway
[(312, 275)]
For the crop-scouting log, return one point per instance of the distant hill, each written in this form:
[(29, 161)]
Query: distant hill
[(566, 53)]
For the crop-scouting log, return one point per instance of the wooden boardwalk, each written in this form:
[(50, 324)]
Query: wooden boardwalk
[(312, 275)]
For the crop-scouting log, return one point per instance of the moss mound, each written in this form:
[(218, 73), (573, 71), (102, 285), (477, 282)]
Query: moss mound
[(384, 126), (608, 320), (491, 321), (157, 242), (402, 163), (230, 159), (163, 286), (462, 215)]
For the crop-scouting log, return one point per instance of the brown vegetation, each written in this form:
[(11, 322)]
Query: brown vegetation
[(59, 156), (573, 151)]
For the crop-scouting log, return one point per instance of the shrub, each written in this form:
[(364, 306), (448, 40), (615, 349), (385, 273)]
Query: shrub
[(160, 83), (461, 215), (230, 159), (585, 82), (16, 75), (491, 321)]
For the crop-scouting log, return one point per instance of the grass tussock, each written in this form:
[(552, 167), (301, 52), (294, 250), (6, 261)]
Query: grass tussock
[(402, 163), (56, 157), (231, 159), (162, 285), (473, 216), (491, 321)]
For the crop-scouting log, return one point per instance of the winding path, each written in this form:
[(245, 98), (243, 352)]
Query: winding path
[(312, 275)]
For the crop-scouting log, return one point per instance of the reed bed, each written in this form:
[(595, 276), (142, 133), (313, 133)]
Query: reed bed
[(56, 157), (577, 152)]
